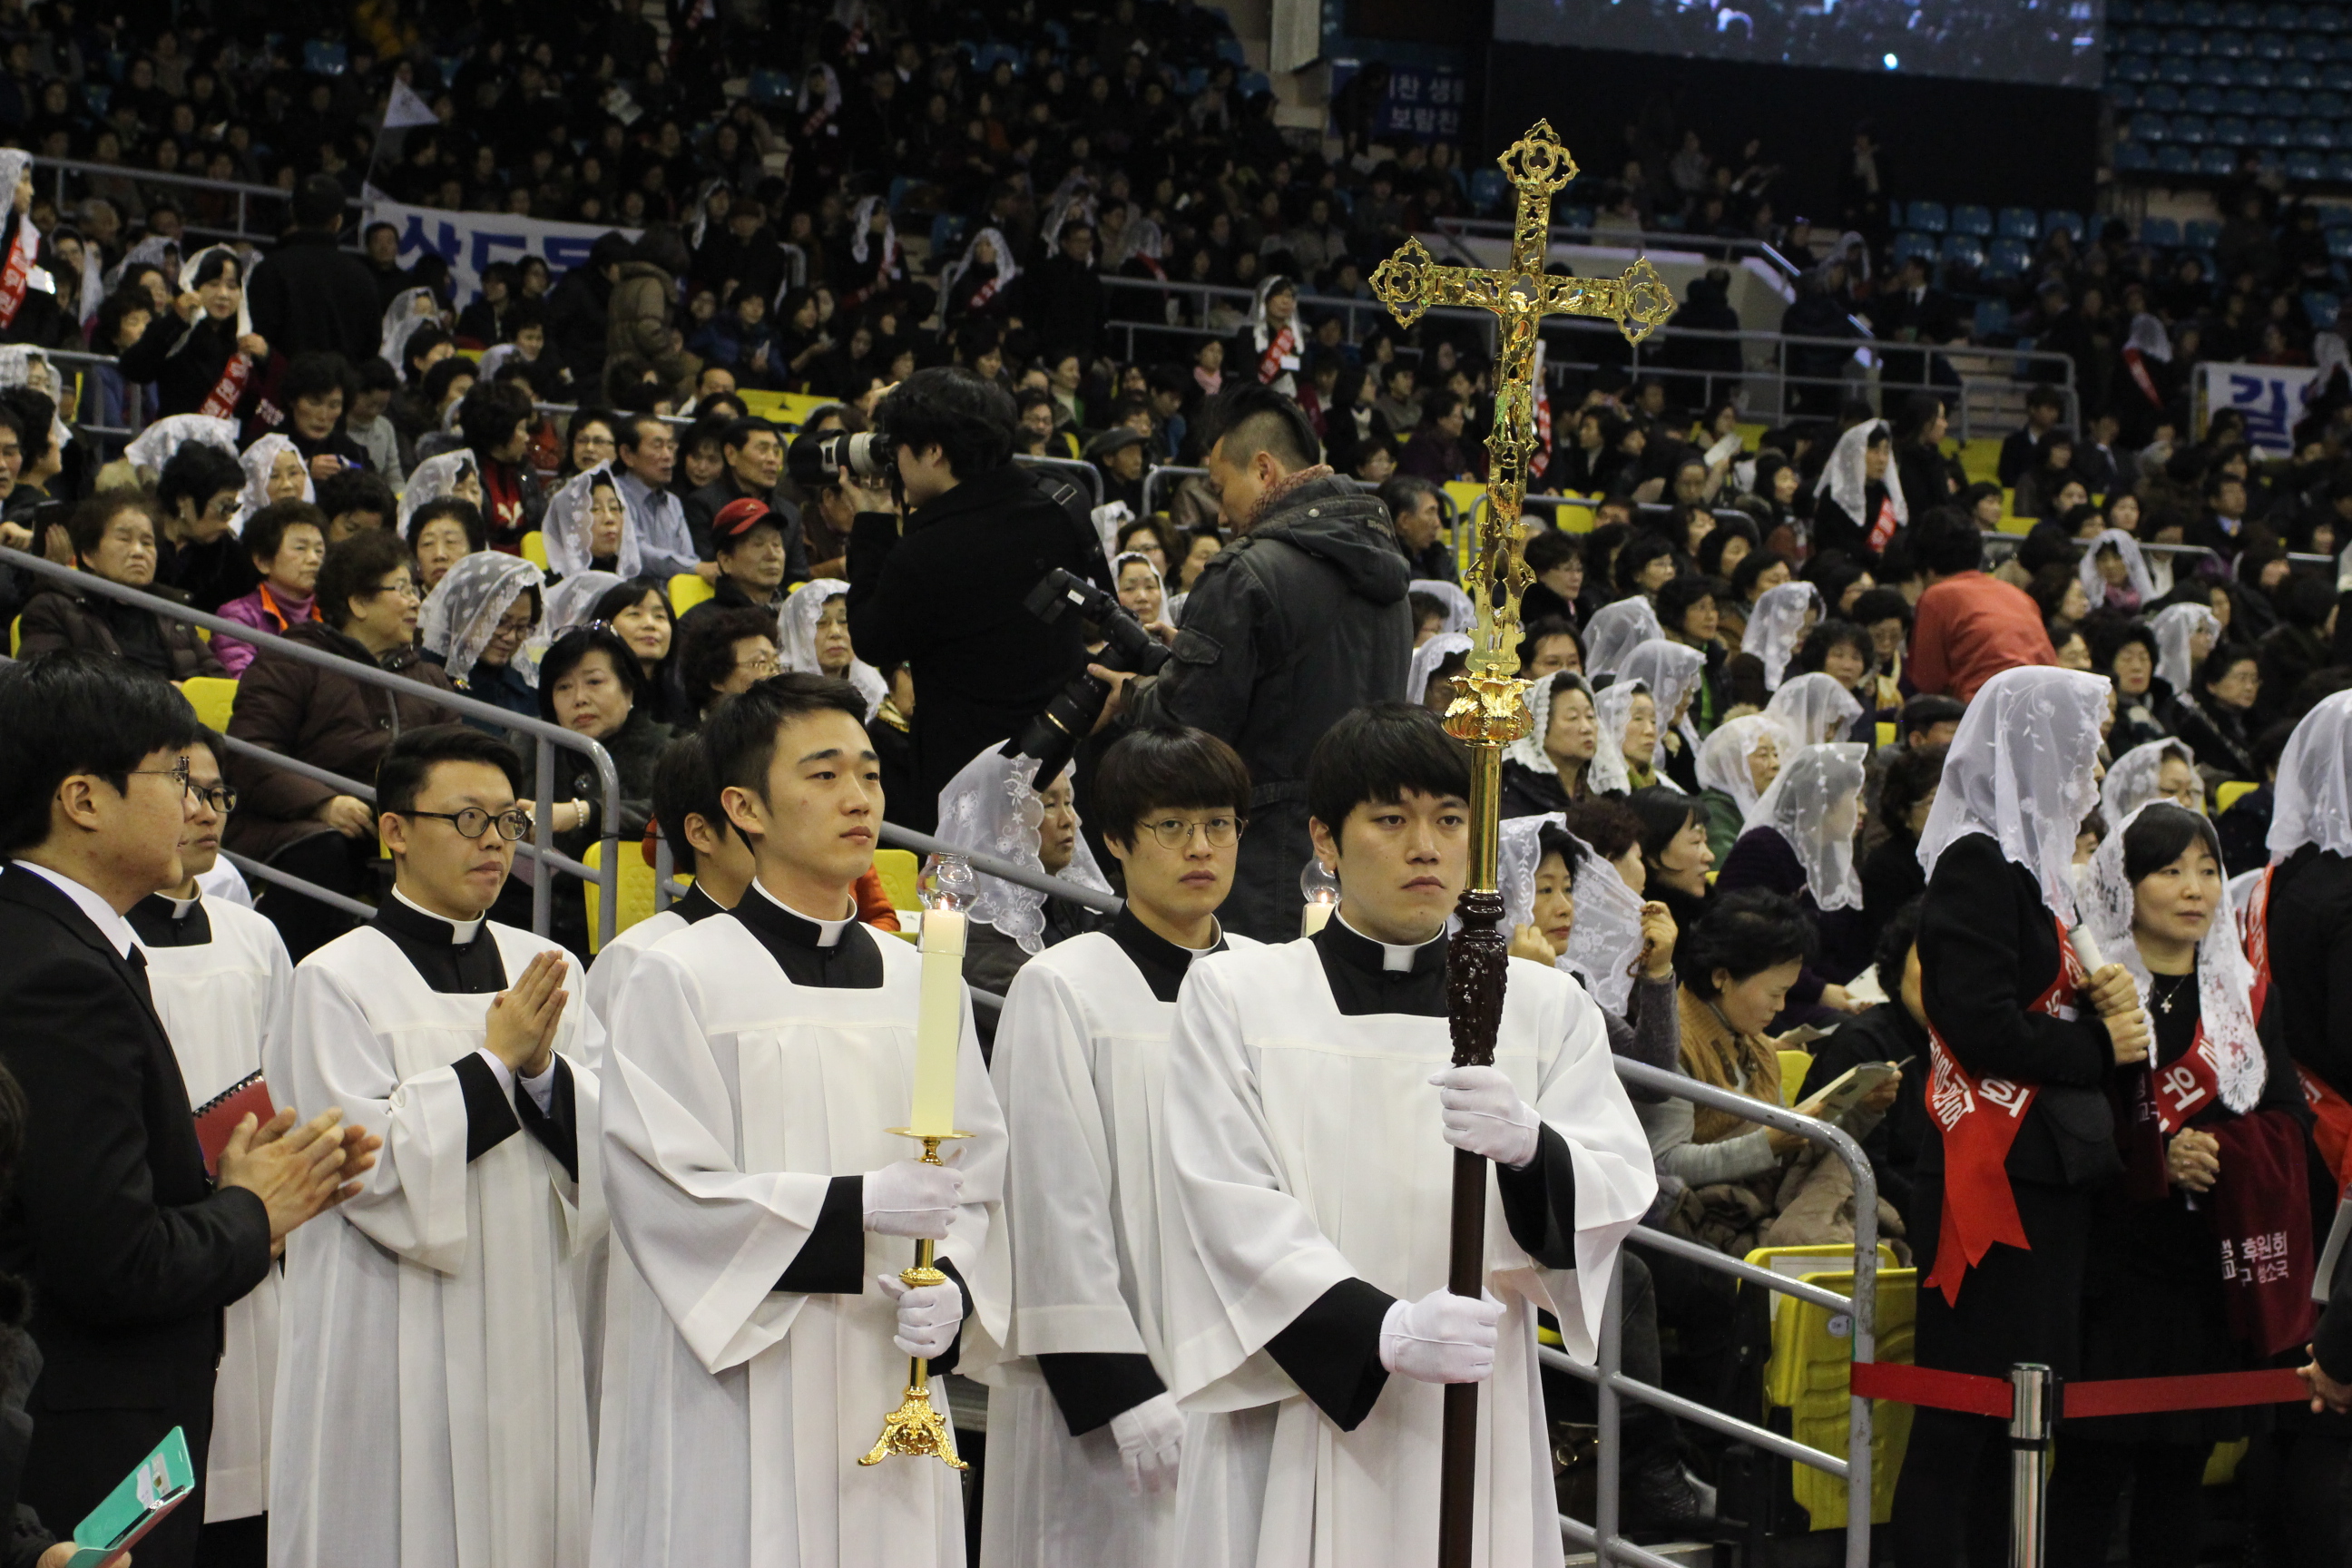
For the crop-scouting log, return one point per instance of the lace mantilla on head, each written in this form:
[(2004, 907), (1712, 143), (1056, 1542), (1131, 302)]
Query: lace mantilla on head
[(1814, 805), (992, 807), (2315, 799), (1604, 939), (462, 614), (1616, 630), (1815, 709), (1776, 627)]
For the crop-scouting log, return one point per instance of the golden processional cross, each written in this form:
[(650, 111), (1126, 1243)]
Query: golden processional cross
[(1489, 710)]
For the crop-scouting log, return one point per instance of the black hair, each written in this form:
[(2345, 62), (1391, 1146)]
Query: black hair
[(1909, 779), (683, 788), (265, 530), (1664, 811), (408, 762), (2045, 395), (1255, 419), (488, 416), (2306, 601), (76, 712), (439, 379), (215, 263), (572, 649), (1927, 711), (1875, 605), (1752, 565), (1424, 605), (2109, 635), (2161, 835), (1377, 754), (468, 516), (357, 490), (2225, 657), (1832, 571), (739, 433), (118, 305), (1401, 493), (1553, 548), (1551, 627), (741, 731), (374, 374), (1828, 635), (625, 595), (314, 375), (709, 656), (1677, 596), (1728, 526), (1893, 949), (87, 524), (1743, 933), (420, 341), (1162, 766), (971, 420), (36, 414), (318, 202), (1640, 550), (197, 472), (351, 570), (1947, 543), (1611, 826)]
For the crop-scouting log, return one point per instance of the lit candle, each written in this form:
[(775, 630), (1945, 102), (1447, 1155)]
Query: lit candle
[(1321, 890), (938, 1018), (1315, 916)]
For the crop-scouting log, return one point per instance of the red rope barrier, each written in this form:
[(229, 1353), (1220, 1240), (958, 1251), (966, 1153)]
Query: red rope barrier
[(1962, 1391), (1972, 1395)]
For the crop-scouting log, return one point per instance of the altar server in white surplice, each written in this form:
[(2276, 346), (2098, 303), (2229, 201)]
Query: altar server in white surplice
[(223, 985), (431, 1400), (759, 1331), (1312, 1119), (1084, 1438)]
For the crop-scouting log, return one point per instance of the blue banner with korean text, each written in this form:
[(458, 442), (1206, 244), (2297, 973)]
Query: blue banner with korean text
[(469, 242), (2272, 399)]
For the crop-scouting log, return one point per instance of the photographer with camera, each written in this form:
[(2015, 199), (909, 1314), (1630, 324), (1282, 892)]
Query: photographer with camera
[(1300, 619), (942, 588)]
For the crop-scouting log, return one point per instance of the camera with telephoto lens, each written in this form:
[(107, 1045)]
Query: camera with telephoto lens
[(814, 459), (1052, 735)]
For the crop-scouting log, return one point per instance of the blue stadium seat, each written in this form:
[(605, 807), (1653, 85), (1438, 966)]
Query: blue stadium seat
[(771, 87), (2134, 158), (947, 229), (2160, 13), (2257, 74), (2175, 69), (2008, 258), (2228, 45), (2315, 133), (2339, 172), (1911, 243), (1929, 217), (2274, 133), (1965, 250), (2233, 130), (1488, 188), (2323, 19), (2191, 129), (2122, 13), (2201, 13), (2300, 75), (2219, 161), (2132, 68), (2019, 223), (2175, 161), (2214, 71), (2186, 42), (2241, 14), (2164, 232), (2319, 308), (2057, 218), (2337, 76), (2123, 96), (2151, 130), (2201, 234), (1992, 316), (1972, 219), (2271, 46), (2327, 103), (1577, 217), (2205, 101), (2284, 18), (2306, 166), (2243, 100), (2142, 41), (1229, 49), (2284, 103), (2314, 47)]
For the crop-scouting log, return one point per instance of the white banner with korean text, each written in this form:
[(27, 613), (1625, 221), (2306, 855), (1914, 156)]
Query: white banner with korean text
[(469, 242)]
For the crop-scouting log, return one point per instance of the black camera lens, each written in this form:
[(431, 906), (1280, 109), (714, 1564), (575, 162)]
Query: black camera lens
[(818, 456)]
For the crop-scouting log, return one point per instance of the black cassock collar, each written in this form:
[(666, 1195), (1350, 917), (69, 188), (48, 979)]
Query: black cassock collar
[(1361, 983), (429, 943), (1162, 963), (853, 962), (161, 922)]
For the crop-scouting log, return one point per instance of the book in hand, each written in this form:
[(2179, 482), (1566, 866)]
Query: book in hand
[(164, 1479), (1848, 1090), (218, 1117)]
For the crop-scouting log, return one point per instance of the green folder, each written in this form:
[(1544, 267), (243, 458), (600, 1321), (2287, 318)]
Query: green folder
[(164, 1479)]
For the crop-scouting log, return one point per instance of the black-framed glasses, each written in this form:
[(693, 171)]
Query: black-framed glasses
[(473, 821), (177, 773), (221, 798), (1176, 833)]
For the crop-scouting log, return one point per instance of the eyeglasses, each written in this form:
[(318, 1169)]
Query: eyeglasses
[(177, 773), (405, 588), (222, 798), (514, 628), (473, 821), (1176, 833), (762, 664)]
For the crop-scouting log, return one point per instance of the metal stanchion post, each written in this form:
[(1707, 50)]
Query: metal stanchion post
[(2029, 1469)]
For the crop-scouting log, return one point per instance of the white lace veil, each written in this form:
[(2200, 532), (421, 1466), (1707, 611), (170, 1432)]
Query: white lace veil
[(1807, 705), (258, 459), (1723, 758), (1605, 938), (187, 284), (2131, 778), (2094, 587), (1006, 270), (462, 613), (410, 310), (2174, 626), (796, 640), (2020, 770), (1605, 774), (1426, 658), (1776, 627), (433, 479), (1812, 806), (570, 603), (161, 442), (990, 807), (1846, 477), (1616, 630), (564, 529), (1460, 614), (2225, 980), (1614, 706), (1672, 672), (2314, 798)]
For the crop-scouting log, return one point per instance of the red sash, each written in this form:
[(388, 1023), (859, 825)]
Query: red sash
[(1542, 458), (1979, 1121), (2189, 1086), (2331, 1125), (2137, 365), (985, 293), (1883, 527), (1284, 346), (16, 276), (221, 401)]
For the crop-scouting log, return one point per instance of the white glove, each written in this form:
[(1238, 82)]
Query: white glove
[(1485, 1114), (911, 1198), (1151, 1439), (928, 1315), (1442, 1338)]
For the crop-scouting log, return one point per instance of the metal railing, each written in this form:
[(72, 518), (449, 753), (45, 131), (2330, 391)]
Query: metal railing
[(2009, 543), (1610, 1384), (549, 739), (148, 179)]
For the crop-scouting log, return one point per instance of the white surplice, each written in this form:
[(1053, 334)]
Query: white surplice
[(432, 1411), (219, 1001), (1305, 1148), (734, 1413), (1081, 1055), (613, 961)]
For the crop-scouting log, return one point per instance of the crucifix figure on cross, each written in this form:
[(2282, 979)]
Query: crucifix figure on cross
[(1489, 711)]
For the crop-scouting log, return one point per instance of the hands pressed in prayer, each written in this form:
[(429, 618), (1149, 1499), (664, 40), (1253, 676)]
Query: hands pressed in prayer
[(523, 1017), (1150, 1437), (913, 1199), (1484, 1113), (1442, 1338), (2327, 1394), (298, 1172), (2193, 1159), (928, 1315)]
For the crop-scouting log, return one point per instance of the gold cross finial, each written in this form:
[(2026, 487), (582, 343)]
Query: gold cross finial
[(1489, 707)]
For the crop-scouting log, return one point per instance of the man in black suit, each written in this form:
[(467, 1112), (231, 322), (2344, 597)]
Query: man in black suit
[(132, 1251)]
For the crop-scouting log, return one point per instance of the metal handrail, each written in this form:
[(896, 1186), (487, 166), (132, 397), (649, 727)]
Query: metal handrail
[(245, 194), (899, 838), (1611, 1383), (1178, 475), (547, 735), (2014, 541)]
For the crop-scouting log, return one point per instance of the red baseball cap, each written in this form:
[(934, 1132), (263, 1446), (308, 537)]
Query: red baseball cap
[(740, 517)]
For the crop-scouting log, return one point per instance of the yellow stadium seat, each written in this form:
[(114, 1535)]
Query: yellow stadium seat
[(2229, 793), (1465, 495), (1885, 732), (534, 549), (1810, 1374), (687, 590), (213, 696), (900, 871), (1980, 459), (637, 892), (1794, 1066), (16, 636)]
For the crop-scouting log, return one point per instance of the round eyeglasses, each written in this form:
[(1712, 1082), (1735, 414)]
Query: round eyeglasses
[(473, 821), (1176, 833)]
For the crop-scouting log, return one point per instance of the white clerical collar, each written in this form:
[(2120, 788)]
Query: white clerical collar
[(180, 907), (1396, 957), (103, 915), (828, 932), (462, 932)]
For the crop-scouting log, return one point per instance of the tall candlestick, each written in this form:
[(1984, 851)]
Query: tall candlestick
[(938, 1024)]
